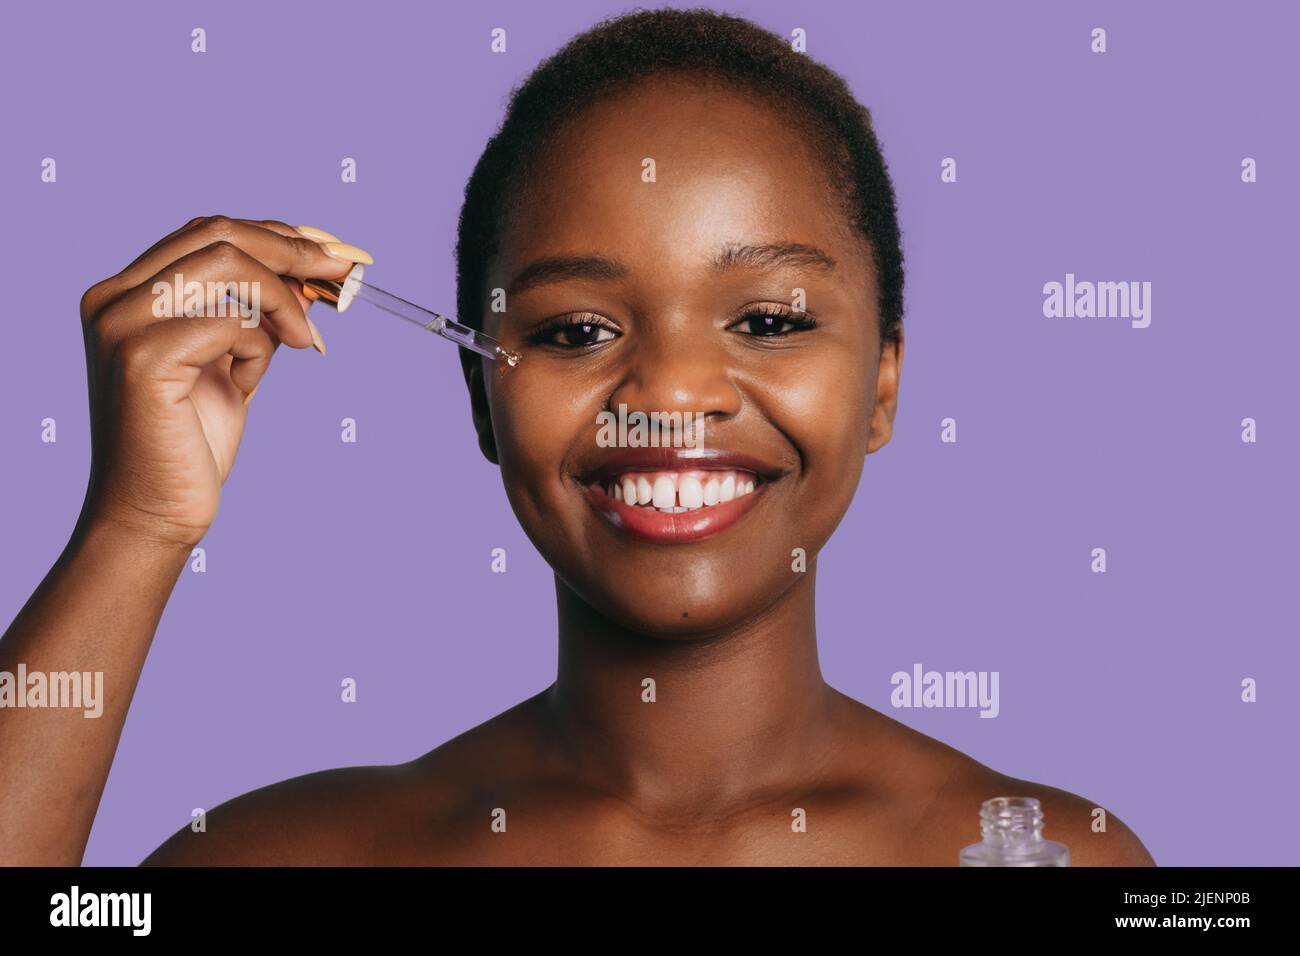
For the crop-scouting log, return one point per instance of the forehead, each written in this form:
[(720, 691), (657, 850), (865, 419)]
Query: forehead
[(727, 168)]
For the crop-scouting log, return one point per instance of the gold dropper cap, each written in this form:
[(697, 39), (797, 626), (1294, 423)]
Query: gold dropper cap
[(335, 292)]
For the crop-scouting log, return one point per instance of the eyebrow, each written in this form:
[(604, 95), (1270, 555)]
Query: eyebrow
[(601, 268)]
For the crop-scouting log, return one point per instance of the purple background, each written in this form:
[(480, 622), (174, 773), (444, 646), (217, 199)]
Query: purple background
[(371, 560)]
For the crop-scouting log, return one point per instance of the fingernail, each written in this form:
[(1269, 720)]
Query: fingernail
[(320, 235), (317, 342), (248, 396), (341, 250)]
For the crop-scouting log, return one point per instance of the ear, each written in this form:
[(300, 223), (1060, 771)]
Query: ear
[(882, 417), (472, 367)]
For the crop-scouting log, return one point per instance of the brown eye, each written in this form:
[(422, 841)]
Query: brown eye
[(586, 333), (765, 323), (573, 332)]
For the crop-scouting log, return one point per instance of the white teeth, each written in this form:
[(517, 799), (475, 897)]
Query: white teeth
[(665, 495), (690, 493), (677, 492), (711, 491)]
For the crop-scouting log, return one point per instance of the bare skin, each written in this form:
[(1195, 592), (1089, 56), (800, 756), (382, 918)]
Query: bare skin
[(744, 732)]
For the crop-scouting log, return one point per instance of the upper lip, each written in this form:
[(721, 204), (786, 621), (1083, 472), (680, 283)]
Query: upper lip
[(620, 461)]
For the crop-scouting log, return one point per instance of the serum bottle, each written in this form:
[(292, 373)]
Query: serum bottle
[(1013, 836)]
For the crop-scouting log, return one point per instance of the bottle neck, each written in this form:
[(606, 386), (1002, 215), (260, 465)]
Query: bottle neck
[(1011, 822)]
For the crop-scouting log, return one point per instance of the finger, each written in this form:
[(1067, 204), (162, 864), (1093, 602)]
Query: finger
[(213, 268), (171, 235), (106, 290), (287, 255), (284, 229), (295, 286), (174, 353), (248, 365), (258, 368)]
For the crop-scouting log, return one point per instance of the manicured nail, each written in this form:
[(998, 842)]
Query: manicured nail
[(320, 235), (248, 396), (341, 250), (317, 342)]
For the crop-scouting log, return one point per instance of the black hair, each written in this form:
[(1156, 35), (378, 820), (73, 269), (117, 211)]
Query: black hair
[(622, 51)]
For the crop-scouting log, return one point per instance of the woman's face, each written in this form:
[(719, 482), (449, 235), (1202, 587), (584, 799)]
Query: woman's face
[(661, 243)]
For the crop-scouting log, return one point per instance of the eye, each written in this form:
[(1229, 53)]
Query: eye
[(773, 321), (574, 332)]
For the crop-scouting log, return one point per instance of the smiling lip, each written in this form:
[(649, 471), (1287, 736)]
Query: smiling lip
[(662, 527)]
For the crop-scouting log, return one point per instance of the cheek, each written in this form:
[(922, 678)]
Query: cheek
[(526, 423), (536, 419), (822, 403)]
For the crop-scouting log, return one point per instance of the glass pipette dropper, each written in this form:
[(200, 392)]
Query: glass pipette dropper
[(341, 293)]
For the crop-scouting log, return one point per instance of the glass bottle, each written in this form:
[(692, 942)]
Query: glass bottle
[(1013, 836)]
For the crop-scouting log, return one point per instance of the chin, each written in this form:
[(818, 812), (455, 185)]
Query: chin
[(669, 613)]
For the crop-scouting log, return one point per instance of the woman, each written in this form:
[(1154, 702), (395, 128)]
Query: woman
[(680, 214)]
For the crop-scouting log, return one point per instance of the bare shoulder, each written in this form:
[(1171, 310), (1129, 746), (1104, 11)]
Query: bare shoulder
[(328, 818), (357, 816), (1094, 834), (948, 787)]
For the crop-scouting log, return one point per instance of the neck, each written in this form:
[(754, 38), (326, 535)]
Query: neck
[(733, 714)]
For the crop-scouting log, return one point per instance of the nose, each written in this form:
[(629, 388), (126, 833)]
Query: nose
[(687, 373)]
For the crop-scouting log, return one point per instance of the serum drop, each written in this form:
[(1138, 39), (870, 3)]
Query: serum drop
[(1013, 836)]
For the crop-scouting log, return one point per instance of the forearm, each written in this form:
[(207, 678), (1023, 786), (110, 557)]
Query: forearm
[(94, 614)]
